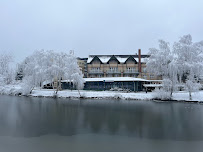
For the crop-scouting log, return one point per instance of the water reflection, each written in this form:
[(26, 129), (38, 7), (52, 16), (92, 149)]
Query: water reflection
[(30, 117)]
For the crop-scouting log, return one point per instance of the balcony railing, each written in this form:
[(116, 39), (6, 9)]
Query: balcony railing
[(113, 71), (131, 71), (95, 72)]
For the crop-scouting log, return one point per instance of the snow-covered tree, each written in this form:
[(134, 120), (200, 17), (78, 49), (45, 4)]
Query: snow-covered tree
[(189, 62), (191, 85), (159, 59), (44, 66), (184, 64), (189, 57), (6, 73), (162, 62)]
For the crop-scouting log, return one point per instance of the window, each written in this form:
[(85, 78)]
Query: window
[(151, 76), (113, 68), (95, 69), (130, 69)]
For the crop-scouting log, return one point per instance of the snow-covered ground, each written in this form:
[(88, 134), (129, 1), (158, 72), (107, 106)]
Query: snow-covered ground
[(197, 96), (37, 92), (10, 89), (183, 95), (93, 94)]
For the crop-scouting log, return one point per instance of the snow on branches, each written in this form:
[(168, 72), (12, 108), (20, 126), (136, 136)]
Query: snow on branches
[(44, 66), (6, 73), (181, 64), (162, 62)]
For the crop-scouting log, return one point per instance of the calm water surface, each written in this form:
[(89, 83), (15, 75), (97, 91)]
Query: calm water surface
[(46, 124)]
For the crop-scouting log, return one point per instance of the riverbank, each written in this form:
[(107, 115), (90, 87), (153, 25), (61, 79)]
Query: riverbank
[(92, 94), (177, 96), (37, 92)]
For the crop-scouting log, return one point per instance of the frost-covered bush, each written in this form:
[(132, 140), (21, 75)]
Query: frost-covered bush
[(6, 73), (10, 90), (78, 81), (27, 86), (192, 86), (167, 85), (2, 80), (8, 87), (161, 94)]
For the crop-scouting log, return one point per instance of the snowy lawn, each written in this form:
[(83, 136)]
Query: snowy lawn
[(183, 95), (197, 96), (93, 94)]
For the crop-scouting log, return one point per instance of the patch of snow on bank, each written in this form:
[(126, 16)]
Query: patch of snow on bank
[(93, 94), (183, 95), (11, 89), (198, 96)]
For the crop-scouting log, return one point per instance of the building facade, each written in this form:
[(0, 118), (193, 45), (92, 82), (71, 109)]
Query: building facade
[(108, 83), (119, 66), (82, 63)]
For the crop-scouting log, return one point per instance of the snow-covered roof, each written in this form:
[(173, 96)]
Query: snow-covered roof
[(120, 58), (89, 59), (112, 79), (104, 59)]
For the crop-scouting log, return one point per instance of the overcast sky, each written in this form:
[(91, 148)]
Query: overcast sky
[(95, 26)]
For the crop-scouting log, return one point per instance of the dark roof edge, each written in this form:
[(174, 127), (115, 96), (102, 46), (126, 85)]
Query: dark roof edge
[(124, 56)]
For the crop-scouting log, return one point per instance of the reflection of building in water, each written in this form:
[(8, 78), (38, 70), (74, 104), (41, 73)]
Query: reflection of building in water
[(34, 117)]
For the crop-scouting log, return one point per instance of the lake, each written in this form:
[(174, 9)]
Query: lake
[(88, 125)]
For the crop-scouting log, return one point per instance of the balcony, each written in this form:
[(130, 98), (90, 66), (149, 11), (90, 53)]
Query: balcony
[(113, 72), (131, 72), (95, 72)]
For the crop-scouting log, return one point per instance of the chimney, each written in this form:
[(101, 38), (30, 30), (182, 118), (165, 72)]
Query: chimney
[(139, 62)]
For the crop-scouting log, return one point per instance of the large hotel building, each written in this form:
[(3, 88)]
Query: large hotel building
[(107, 72), (96, 66)]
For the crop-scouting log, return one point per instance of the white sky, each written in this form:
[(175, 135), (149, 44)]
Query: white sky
[(95, 26)]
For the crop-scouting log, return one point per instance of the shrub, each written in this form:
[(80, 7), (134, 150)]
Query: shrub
[(160, 94)]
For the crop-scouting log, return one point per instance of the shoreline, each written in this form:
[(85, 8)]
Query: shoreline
[(180, 96), (99, 98)]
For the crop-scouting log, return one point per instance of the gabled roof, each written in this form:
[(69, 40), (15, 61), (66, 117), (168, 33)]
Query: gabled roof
[(95, 59), (113, 58), (120, 58), (130, 57), (102, 59)]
